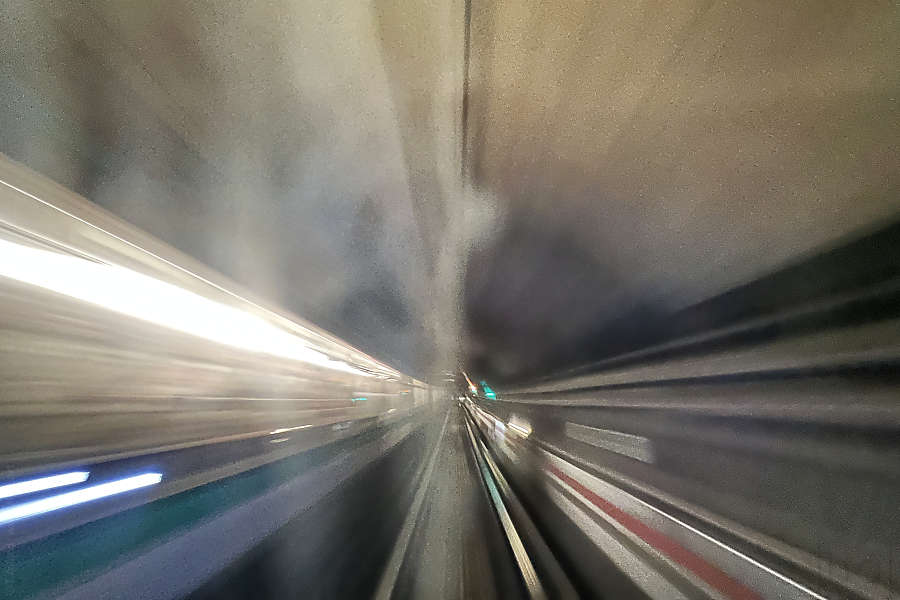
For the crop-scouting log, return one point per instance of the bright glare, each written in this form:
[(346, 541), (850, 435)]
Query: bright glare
[(95, 492), (286, 429), (521, 428), (131, 293), (43, 483)]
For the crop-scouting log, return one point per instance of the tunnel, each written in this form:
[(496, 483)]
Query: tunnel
[(441, 300)]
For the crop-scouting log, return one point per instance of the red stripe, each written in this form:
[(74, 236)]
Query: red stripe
[(706, 571)]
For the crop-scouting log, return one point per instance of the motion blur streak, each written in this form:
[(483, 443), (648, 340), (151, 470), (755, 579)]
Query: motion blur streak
[(521, 429), (286, 429), (142, 297), (74, 498), (450, 299), (42, 483)]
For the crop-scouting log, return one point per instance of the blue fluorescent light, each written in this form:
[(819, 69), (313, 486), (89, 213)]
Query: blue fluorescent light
[(94, 492), (42, 483)]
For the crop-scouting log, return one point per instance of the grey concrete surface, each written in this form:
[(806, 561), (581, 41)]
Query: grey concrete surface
[(281, 144), (648, 155)]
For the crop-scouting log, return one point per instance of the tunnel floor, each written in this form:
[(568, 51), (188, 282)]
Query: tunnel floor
[(457, 550), (340, 548)]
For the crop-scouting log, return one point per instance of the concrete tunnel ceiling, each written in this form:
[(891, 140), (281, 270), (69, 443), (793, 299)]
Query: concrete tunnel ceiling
[(621, 161)]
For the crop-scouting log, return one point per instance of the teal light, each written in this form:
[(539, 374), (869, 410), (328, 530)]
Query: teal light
[(360, 399), (488, 392)]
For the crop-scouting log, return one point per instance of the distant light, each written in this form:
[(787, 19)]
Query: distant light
[(472, 387), (392, 410), (42, 483), (278, 440), (134, 294), (285, 429), (359, 399), (88, 494)]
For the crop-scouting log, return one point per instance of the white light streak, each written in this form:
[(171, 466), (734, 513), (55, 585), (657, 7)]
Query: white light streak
[(42, 483), (88, 494), (131, 293), (523, 430), (286, 429)]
